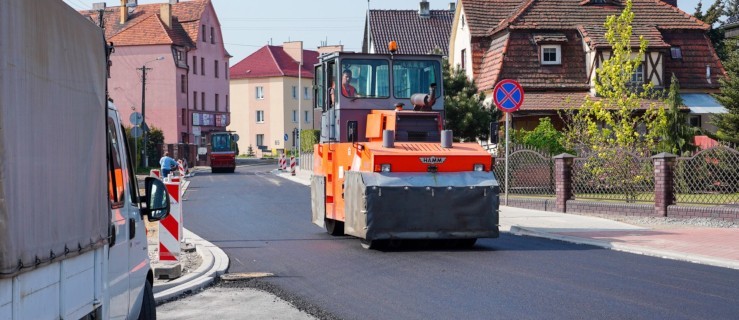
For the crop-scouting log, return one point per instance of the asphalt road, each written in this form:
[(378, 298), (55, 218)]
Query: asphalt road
[(263, 223)]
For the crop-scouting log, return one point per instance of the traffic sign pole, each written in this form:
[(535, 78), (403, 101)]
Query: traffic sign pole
[(508, 97)]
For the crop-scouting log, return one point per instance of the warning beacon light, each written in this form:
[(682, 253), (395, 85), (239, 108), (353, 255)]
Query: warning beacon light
[(392, 46)]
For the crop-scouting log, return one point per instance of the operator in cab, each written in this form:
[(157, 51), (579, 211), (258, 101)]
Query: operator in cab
[(347, 89)]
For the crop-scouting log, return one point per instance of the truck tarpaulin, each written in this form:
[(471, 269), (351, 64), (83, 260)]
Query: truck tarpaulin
[(53, 183)]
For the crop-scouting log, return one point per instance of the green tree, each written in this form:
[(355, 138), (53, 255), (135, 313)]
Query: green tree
[(711, 17), (727, 124), (545, 137), (677, 136), (465, 114)]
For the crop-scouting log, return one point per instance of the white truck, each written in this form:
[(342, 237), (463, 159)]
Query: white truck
[(72, 235)]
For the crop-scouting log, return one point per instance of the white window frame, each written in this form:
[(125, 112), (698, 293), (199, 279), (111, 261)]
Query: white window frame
[(260, 92), (635, 76), (306, 93), (260, 116), (295, 93), (295, 116), (558, 52), (258, 142), (307, 116)]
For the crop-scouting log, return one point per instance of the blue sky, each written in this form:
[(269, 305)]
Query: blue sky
[(248, 25)]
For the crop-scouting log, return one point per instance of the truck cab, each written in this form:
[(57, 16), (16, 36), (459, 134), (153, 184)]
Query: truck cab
[(223, 151)]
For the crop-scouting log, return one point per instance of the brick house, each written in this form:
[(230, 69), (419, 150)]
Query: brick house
[(181, 45), (419, 31), (553, 47), (267, 94)]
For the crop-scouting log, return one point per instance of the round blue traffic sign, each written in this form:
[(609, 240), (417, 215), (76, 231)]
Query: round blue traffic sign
[(508, 95), (286, 137)]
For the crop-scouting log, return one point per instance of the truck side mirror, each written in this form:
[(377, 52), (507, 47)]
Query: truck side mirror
[(157, 199), (351, 131)]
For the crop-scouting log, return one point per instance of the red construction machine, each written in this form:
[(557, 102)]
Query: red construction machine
[(223, 151), (383, 171)]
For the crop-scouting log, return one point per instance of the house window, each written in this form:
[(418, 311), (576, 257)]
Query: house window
[(295, 93), (179, 55), (212, 35), (203, 33), (202, 100), (184, 117), (260, 92), (260, 140), (676, 53), (638, 76), (216, 68), (306, 93), (194, 65), (225, 69), (195, 100), (202, 66), (217, 96), (227, 103), (183, 83), (306, 116), (461, 19), (260, 116), (695, 120), (463, 56), (295, 116), (551, 54)]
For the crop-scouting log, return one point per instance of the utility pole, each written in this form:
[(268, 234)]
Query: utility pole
[(144, 159)]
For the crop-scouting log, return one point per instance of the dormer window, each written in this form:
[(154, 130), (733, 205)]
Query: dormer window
[(551, 54), (676, 53)]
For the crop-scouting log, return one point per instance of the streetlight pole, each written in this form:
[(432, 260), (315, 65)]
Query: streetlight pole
[(300, 111), (145, 159)]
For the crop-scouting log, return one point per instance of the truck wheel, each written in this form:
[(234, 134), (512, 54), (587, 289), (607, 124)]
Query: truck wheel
[(334, 227), (148, 306)]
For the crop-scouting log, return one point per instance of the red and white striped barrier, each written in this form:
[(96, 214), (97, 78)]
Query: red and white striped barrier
[(155, 173), (282, 162), (170, 228), (292, 165)]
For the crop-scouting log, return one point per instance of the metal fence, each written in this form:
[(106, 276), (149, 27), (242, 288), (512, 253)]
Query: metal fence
[(305, 161), (530, 173), (613, 175), (709, 177)]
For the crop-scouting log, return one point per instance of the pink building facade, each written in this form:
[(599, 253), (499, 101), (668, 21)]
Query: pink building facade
[(181, 46)]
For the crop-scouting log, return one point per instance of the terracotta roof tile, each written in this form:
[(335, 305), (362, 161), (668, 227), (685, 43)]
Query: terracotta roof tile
[(414, 34), (482, 15), (273, 61), (492, 63), (534, 101), (697, 54), (140, 28)]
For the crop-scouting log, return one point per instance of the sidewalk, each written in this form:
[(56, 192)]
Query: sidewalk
[(710, 246)]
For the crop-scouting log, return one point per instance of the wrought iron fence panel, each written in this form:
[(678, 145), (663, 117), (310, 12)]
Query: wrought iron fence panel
[(613, 175), (529, 172), (709, 177)]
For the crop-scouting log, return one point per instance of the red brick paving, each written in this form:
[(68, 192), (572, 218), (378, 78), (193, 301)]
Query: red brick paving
[(709, 242)]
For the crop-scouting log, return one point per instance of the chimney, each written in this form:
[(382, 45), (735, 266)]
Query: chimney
[(329, 49), (165, 12), (424, 11), (671, 2), (452, 7), (294, 49), (124, 12), (99, 6)]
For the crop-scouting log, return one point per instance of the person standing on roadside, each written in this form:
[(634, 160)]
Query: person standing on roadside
[(167, 164)]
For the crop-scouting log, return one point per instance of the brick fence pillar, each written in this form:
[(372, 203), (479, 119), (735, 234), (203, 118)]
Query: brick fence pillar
[(563, 180), (664, 190)]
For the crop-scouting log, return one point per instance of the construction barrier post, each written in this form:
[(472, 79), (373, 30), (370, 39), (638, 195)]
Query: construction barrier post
[(170, 228), (154, 173)]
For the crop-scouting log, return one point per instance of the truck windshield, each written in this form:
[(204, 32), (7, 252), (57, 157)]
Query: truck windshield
[(221, 142), (366, 78), (410, 77)]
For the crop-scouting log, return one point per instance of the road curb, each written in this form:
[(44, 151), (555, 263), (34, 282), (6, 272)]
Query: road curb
[(711, 261), (215, 263)]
